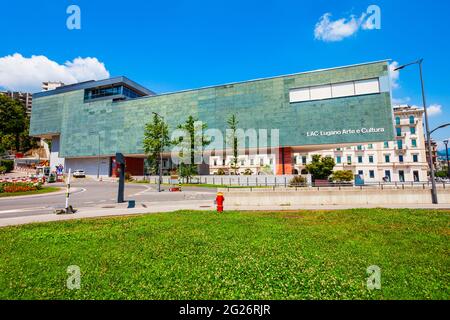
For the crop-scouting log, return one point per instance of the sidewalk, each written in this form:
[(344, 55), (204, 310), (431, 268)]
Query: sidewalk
[(112, 210)]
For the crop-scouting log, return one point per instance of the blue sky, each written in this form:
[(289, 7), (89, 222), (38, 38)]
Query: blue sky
[(174, 45)]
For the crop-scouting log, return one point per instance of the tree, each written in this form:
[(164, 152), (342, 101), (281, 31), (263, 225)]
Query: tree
[(156, 138), (233, 141), (321, 167), (189, 144), (12, 123), (342, 176)]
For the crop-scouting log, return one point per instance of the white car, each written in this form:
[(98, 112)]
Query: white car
[(79, 174)]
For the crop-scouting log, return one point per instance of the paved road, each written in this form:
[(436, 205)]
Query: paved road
[(97, 194)]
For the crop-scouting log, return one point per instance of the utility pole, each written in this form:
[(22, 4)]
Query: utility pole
[(427, 128)]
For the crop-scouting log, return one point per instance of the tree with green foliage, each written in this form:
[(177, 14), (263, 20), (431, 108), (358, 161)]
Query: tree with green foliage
[(321, 167), (156, 138), (232, 140), (12, 123), (192, 143), (342, 176), (14, 126)]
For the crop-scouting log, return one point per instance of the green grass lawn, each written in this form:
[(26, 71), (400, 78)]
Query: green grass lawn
[(43, 190), (236, 255)]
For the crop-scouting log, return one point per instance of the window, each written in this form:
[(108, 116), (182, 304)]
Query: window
[(320, 92), (252, 162), (397, 120), (223, 162), (338, 159), (415, 158), (261, 162), (271, 161), (367, 86), (412, 120), (387, 158), (416, 176), (345, 89), (413, 130), (242, 162), (360, 159), (304, 159), (335, 90), (400, 159), (400, 144), (370, 146), (372, 174), (387, 176), (361, 173), (359, 148), (370, 159), (215, 162), (401, 176), (386, 144), (399, 132), (414, 143), (299, 95), (349, 160)]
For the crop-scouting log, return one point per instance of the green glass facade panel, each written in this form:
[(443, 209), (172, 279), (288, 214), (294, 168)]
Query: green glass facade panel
[(258, 104)]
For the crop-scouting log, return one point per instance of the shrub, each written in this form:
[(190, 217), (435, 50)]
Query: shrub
[(2, 169), (220, 172), (12, 187), (298, 181), (8, 164), (248, 172), (342, 176)]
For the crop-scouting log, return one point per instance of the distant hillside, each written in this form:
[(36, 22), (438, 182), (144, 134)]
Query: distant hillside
[(441, 153)]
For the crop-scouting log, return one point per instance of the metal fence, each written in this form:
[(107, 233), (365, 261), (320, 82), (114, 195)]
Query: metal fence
[(285, 182)]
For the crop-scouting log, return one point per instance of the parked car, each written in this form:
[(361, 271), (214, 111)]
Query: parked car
[(79, 174)]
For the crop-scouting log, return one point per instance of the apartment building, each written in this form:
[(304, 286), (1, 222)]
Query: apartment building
[(25, 98), (51, 85)]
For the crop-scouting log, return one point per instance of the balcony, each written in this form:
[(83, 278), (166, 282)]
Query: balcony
[(401, 149)]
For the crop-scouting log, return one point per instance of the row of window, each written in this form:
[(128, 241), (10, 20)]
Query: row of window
[(399, 131), (336, 90), (111, 91), (412, 120), (387, 175), (387, 159), (241, 162), (360, 159)]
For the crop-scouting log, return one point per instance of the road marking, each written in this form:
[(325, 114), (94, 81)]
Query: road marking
[(22, 210), (142, 192)]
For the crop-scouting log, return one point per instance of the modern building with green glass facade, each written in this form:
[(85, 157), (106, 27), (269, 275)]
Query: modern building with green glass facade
[(95, 119)]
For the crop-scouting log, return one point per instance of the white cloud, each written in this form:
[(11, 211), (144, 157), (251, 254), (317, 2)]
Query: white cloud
[(395, 75), (27, 74), (434, 110), (329, 30)]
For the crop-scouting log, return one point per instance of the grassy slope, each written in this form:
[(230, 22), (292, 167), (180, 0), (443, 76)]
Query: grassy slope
[(200, 255), (43, 190)]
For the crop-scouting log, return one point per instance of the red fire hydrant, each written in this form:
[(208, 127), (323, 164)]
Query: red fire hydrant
[(219, 201)]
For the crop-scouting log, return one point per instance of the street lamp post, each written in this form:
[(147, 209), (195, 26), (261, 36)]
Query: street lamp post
[(430, 159), (160, 153), (448, 161)]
